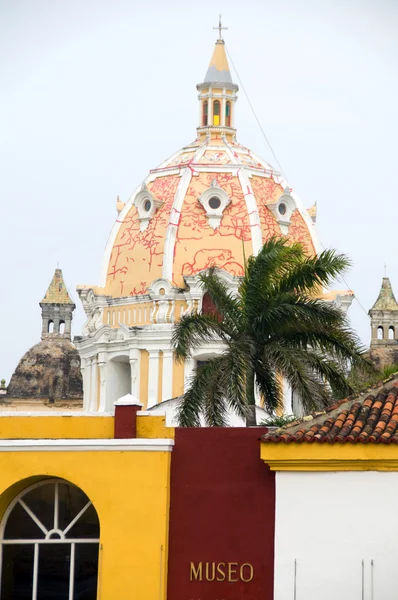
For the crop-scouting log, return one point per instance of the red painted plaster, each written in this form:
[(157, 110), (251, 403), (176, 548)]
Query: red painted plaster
[(126, 421), (222, 510)]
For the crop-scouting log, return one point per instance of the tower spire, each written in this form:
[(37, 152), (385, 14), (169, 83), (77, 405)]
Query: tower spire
[(56, 309)]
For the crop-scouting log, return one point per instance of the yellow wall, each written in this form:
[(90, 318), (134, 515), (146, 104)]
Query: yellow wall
[(330, 457), (153, 427), (79, 427), (130, 492)]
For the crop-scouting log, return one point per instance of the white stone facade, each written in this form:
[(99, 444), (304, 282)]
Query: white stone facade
[(335, 535)]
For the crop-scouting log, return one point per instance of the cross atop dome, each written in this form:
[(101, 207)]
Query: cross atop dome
[(220, 27)]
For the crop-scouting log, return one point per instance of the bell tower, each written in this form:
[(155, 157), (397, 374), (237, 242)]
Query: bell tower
[(56, 310), (384, 324)]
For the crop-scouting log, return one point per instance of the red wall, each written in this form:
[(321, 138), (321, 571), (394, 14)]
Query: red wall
[(222, 510)]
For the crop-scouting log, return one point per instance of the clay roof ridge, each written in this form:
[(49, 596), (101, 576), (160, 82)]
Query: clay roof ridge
[(353, 412)]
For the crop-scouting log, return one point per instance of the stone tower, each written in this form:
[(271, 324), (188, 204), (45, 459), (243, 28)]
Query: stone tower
[(49, 372), (56, 309), (384, 323)]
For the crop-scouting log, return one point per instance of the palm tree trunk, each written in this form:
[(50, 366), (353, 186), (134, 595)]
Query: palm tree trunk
[(251, 401)]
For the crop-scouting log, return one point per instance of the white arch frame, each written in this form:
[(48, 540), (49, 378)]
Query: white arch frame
[(47, 539)]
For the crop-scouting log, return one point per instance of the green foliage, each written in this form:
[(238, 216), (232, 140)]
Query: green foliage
[(360, 379), (275, 324), (276, 421), (2, 384)]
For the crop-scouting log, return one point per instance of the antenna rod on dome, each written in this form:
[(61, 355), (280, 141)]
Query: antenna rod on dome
[(220, 27)]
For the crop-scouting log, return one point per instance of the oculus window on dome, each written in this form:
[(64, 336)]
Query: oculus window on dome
[(283, 209), (146, 205), (49, 542), (214, 200)]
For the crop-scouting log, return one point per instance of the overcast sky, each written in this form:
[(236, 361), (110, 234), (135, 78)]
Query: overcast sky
[(96, 93)]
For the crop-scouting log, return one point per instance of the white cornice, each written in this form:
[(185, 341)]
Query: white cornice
[(53, 412), (92, 445)]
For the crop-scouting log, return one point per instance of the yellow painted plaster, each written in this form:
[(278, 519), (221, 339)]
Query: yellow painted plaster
[(219, 58), (56, 427), (130, 492), (151, 427), (330, 457)]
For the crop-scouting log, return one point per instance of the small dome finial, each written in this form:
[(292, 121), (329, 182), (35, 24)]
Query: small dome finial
[(119, 205)]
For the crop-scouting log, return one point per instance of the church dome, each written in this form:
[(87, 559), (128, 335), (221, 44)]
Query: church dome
[(209, 204), (212, 203), (50, 370)]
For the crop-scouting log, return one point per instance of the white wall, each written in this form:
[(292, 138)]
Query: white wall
[(118, 381), (329, 522)]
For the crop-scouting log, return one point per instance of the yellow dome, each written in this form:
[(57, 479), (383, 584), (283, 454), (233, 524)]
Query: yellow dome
[(183, 235)]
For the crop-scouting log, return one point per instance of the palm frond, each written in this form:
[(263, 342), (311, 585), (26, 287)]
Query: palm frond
[(204, 396), (227, 306), (193, 330), (308, 274)]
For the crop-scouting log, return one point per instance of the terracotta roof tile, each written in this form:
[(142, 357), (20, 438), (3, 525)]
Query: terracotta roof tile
[(370, 418)]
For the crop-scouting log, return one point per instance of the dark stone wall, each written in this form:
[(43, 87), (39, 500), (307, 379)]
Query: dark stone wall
[(49, 370)]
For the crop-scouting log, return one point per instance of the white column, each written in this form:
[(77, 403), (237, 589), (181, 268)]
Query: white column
[(210, 107), (135, 361), (153, 377), (93, 385), (223, 105), (102, 394), (167, 380), (189, 367)]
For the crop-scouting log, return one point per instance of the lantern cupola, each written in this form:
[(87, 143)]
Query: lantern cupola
[(217, 95)]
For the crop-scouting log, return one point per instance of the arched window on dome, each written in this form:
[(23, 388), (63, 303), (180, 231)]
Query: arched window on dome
[(380, 333), (205, 113), (49, 542), (228, 114), (216, 112), (50, 327), (62, 327), (391, 333)]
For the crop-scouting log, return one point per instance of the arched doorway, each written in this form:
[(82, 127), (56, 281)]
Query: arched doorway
[(49, 542)]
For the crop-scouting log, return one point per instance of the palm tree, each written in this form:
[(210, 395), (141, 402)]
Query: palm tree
[(275, 326)]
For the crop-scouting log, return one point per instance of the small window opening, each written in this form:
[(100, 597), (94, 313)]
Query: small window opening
[(282, 208), (50, 328), (147, 205), (205, 113), (391, 333), (228, 114), (214, 202), (216, 112), (380, 333), (62, 327)]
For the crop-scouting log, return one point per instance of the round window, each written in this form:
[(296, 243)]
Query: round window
[(214, 202), (147, 205), (282, 208)]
